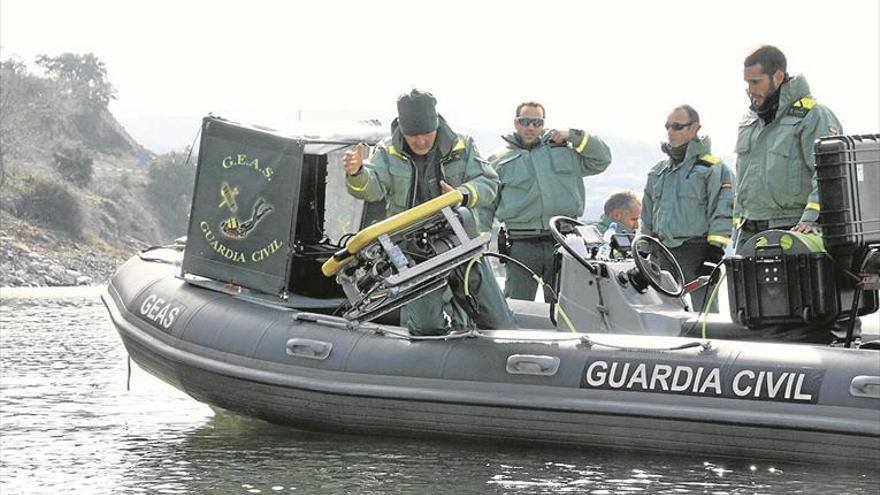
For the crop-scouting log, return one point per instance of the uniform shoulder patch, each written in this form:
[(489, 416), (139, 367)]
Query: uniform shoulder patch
[(806, 102), (802, 107), (708, 160), (392, 150)]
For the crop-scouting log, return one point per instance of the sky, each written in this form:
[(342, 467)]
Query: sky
[(615, 69)]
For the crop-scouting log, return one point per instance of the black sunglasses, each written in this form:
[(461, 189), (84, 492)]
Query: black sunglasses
[(675, 126), (526, 121)]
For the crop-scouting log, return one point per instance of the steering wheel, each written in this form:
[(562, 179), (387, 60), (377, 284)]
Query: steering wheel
[(650, 271), (566, 234)]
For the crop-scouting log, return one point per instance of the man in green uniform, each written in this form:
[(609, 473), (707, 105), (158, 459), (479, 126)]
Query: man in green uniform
[(775, 167), (688, 200), (624, 209), (541, 176), (423, 159)]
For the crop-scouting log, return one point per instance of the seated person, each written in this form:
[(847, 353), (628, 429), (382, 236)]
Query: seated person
[(623, 207)]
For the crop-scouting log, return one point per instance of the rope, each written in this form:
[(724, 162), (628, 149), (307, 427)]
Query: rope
[(541, 284)]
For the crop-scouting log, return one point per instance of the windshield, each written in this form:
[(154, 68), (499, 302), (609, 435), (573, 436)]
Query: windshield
[(342, 212)]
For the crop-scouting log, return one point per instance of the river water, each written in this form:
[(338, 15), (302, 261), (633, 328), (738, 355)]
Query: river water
[(68, 424)]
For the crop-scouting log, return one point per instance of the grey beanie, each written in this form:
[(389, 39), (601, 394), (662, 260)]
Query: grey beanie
[(416, 113)]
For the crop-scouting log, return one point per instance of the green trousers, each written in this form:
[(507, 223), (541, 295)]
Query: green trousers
[(690, 257), (537, 254), (451, 308)]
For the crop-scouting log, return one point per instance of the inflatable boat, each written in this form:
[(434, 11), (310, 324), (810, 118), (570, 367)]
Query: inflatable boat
[(297, 324)]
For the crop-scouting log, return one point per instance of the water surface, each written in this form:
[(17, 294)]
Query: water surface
[(68, 424)]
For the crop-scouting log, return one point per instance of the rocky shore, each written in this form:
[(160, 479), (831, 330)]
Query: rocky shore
[(34, 257)]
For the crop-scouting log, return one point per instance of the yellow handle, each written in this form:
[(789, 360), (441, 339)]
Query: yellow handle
[(400, 221)]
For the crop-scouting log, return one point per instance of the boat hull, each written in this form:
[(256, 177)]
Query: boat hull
[(236, 354)]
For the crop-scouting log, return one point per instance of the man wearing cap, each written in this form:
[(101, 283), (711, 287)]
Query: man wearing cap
[(775, 167), (423, 159), (541, 174), (688, 200)]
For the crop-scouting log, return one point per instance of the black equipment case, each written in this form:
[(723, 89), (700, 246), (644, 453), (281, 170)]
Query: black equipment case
[(848, 173), (783, 280)]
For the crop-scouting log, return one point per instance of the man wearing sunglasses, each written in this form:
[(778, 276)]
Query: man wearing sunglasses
[(775, 167), (541, 174), (688, 200), (423, 159)]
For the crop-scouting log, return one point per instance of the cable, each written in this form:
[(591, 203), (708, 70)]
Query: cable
[(568, 322), (854, 310), (709, 301), (707, 304), (541, 283), (467, 274)]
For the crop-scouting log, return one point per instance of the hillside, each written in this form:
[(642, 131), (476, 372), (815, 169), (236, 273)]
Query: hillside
[(78, 193)]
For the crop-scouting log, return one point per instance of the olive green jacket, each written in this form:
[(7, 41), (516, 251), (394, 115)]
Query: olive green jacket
[(775, 167), (542, 181), (390, 173), (693, 198)]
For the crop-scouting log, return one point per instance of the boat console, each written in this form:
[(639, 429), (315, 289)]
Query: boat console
[(782, 286)]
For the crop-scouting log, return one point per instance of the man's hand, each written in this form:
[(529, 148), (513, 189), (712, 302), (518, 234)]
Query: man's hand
[(805, 228), (445, 188), (558, 137), (353, 160)]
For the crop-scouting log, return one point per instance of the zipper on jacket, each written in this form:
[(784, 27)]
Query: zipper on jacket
[(443, 161), (414, 183)]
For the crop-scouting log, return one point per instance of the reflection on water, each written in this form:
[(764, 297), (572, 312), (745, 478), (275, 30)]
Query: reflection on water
[(69, 426)]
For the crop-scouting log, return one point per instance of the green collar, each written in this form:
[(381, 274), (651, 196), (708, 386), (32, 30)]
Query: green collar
[(514, 141), (790, 92), (698, 147)]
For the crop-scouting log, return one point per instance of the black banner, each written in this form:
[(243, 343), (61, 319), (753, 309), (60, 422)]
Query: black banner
[(243, 206)]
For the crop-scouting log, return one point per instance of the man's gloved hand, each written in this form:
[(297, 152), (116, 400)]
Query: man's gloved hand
[(714, 255)]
